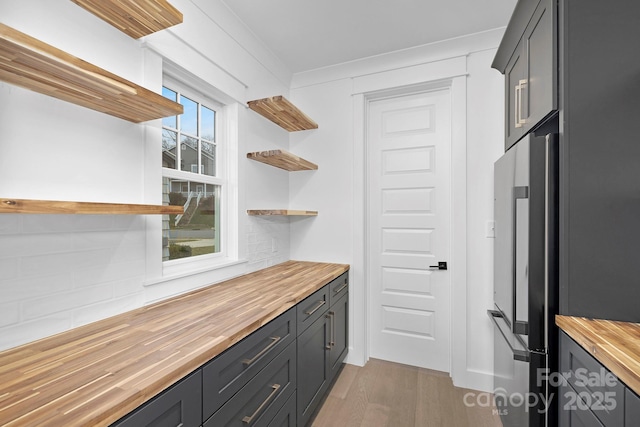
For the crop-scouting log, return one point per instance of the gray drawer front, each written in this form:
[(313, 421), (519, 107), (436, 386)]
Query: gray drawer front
[(338, 288), (631, 408), (225, 375), (313, 307), (598, 388), (260, 400), (178, 406), (286, 417), (570, 414)]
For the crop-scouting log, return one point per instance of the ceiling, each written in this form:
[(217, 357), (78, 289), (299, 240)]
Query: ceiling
[(308, 34)]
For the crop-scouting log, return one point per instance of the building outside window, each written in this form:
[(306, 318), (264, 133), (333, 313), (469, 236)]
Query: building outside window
[(192, 175)]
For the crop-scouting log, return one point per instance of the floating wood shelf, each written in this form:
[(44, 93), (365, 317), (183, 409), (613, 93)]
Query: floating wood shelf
[(281, 212), (283, 113), (136, 18), (22, 206), (283, 160), (32, 64)]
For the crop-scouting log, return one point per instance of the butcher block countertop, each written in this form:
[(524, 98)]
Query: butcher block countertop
[(615, 344), (95, 374)]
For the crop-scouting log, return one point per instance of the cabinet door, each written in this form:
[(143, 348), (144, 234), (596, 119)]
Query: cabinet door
[(313, 368), (592, 388), (570, 413), (339, 333), (539, 93), (513, 78), (631, 408), (179, 406)]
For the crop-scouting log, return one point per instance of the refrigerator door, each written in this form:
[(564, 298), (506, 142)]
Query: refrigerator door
[(520, 389), (511, 211)]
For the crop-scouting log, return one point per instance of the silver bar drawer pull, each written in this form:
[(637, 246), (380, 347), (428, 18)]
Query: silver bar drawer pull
[(274, 341), (248, 419), (337, 291), (316, 308)]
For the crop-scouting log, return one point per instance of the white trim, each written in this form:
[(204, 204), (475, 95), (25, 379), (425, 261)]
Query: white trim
[(459, 230), (404, 58), (414, 78), (359, 300)]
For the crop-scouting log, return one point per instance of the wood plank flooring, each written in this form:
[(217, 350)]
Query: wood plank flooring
[(389, 394)]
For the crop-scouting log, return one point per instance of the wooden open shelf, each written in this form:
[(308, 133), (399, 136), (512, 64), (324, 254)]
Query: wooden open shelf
[(283, 113), (35, 65), (22, 206), (281, 212), (283, 160), (136, 18)]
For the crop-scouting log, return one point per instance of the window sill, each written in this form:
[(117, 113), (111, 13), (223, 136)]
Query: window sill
[(184, 280)]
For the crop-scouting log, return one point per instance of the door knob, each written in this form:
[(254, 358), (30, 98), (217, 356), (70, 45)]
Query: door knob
[(442, 265)]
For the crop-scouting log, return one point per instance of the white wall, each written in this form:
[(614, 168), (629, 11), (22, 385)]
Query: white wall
[(62, 271), (328, 96)]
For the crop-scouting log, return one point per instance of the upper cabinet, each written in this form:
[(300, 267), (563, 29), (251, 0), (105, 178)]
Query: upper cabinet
[(283, 113), (136, 18), (35, 65), (527, 56)]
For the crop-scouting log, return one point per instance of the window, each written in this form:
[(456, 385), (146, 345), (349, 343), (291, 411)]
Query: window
[(193, 176)]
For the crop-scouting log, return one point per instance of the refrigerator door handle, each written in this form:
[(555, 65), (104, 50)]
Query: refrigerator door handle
[(519, 327), (521, 355)]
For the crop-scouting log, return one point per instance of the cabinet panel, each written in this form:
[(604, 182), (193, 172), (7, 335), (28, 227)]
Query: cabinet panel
[(339, 313), (599, 391), (631, 408), (179, 406), (313, 368), (338, 288), (260, 400), (286, 417), (229, 372), (576, 417), (312, 308), (513, 77), (539, 96)]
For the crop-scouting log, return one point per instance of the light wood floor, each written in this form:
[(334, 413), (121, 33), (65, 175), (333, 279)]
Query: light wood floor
[(389, 394)]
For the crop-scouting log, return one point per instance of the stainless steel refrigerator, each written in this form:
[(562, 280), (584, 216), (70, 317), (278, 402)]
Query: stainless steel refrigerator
[(525, 281)]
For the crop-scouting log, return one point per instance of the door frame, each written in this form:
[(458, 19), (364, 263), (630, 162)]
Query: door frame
[(447, 74)]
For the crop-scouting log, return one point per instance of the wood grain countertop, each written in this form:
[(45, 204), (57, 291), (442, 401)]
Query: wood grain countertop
[(615, 344), (97, 373)]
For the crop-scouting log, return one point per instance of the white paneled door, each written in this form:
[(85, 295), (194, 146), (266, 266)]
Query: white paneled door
[(409, 145)]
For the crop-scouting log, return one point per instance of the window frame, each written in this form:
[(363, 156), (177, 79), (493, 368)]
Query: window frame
[(185, 86)]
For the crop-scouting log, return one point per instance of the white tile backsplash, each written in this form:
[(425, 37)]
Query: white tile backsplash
[(267, 241), (62, 271)]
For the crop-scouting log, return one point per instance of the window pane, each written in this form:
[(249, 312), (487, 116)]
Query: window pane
[(208, 158), (172, 121), (207, 117), (189, 119), (189, 154), (169, 143), (196, 232)]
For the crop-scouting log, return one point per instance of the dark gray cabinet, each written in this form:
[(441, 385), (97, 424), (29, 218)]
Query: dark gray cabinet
[(323, 346), (313, 367), (590, 395), (528, 59), (178, 406), (339, 334)]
